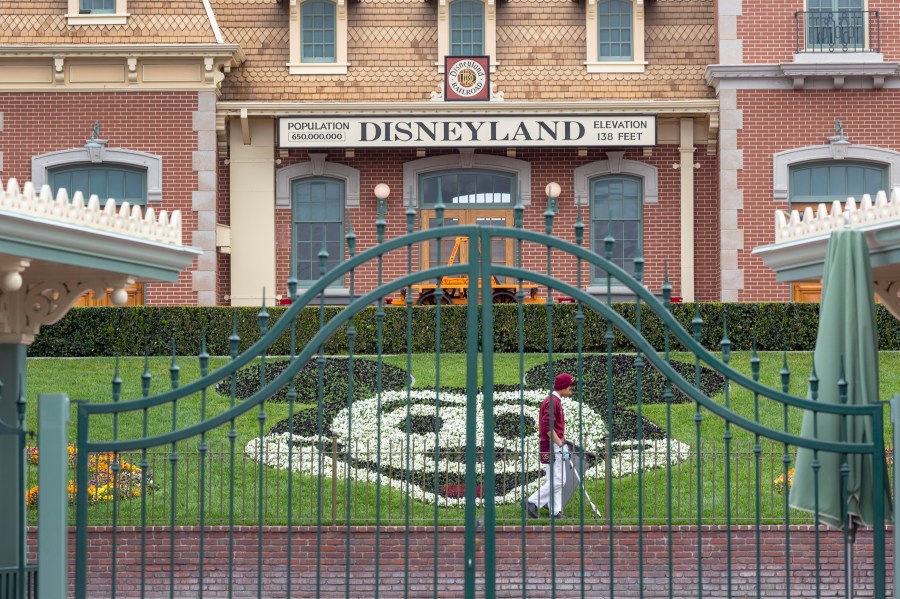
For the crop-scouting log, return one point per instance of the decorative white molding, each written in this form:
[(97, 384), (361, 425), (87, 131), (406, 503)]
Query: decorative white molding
[(593, 64), (122, 219), (45, 301), (317, 166), (467, 158), (782, 161), (615, 164), (41, 165), (793, 226)]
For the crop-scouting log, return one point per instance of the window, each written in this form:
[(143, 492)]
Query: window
[(97, 12), (825, 182), (460, 189), (95, 7), (466, 28), (318, 31), (318, 222), (124, 184), (318, 37), (615, 36), (835, 24), (614, 33), (616, 209)]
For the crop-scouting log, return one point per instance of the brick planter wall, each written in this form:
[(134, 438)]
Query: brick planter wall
[(627, 576)]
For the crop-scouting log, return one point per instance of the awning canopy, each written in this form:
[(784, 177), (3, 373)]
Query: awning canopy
[(52, 250)]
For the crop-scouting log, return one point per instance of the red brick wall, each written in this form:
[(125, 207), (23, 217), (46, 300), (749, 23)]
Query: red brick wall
[(774, 121), (156, 122), (626, 551), (767, 28), (661, 220)]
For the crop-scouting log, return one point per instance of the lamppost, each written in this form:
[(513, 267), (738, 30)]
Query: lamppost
[(552, 190), (382, 191)]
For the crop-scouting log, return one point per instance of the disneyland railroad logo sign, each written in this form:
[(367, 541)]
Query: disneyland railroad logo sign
[(467, 78), (462, 130)]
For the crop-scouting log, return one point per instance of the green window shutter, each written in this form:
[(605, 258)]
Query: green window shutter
[(466, 28), (615, 30), (122, 183), (318, 221), (835, 180), (467, 189), (617, 209), (318, 33), (97, 7)]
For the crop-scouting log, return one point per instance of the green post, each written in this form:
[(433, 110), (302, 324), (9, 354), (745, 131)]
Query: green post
[(895, 420), (12, 461), (53, 545)]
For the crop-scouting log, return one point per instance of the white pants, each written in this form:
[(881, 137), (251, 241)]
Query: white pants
[(542, 496)]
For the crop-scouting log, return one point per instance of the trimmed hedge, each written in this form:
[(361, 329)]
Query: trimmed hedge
[(130, 331)]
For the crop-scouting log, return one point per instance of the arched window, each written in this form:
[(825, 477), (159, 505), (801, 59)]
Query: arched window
[(815, 182), (466, 28), (616, 209), (318, 32), (123, 183), (318, 221), (615, 30), (467, 189)]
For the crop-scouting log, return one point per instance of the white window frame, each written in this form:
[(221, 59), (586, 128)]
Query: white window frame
[(296, 66), (41, 165), (490, 32), (593, 63), (120, 17)]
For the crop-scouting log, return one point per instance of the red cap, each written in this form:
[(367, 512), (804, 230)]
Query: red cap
[(563, 381)]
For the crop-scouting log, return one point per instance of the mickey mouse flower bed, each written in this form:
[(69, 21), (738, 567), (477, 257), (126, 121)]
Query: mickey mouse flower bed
[(418, 437)]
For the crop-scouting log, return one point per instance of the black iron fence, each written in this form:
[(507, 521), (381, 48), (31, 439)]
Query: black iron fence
[(837, 31)]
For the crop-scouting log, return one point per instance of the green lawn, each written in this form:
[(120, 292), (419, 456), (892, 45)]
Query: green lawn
[(89, 379)]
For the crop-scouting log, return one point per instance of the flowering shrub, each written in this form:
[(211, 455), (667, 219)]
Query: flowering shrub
[(444, 434), (778, 483), (101, 472)]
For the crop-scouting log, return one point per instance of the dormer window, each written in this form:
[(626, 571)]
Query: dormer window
[(467, 28), (615, 36), (97, 7), (318, 37), (97, 12)]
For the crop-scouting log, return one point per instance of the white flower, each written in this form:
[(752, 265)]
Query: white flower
[(356, 432)]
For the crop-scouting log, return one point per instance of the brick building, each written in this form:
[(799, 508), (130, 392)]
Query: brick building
[(246, 114), (807, 95)]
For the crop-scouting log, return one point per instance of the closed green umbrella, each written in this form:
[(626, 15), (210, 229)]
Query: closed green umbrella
[(846, 345)]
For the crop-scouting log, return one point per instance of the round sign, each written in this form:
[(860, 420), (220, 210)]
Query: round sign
[(467, 78)]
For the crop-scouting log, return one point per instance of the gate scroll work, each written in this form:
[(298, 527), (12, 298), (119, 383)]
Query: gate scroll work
[(339, 475)]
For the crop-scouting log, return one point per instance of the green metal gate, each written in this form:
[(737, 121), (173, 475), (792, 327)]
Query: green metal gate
[(415, 527)]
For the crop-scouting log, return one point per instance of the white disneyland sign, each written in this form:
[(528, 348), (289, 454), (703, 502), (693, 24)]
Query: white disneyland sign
[(466, 130)]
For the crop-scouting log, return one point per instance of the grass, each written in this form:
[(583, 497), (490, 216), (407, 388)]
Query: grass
[(89, 380)]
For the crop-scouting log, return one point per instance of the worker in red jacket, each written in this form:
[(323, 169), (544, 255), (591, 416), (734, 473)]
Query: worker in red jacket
[(550, 493)]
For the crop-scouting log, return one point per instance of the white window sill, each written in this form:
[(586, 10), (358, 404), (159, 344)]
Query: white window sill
[(825, 57), (106, 19), (329, 291), (318, 68), (616, 67)]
